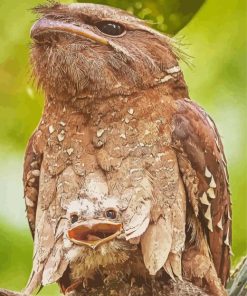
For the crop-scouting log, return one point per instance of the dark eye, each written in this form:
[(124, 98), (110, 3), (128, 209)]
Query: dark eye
[(111, 214), (110, 28), (73, 218)]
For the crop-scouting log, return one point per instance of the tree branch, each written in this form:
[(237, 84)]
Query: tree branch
[(4, 292), (238, 282)]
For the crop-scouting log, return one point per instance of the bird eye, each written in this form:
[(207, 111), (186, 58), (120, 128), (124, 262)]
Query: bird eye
[(110, 28), (111, 214), (74, 218)]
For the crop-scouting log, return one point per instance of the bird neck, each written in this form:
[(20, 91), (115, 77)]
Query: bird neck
[(92, 107)]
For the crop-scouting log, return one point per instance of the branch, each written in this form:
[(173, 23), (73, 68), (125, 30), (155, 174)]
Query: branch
[(238, 282), (4, 292)]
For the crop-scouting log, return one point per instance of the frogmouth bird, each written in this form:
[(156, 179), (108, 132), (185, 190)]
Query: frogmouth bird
[(118, 122), (94, 243)]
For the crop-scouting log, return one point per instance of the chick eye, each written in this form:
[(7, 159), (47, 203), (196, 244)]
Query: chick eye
[(111, 214), (110, 28), (73, 218)]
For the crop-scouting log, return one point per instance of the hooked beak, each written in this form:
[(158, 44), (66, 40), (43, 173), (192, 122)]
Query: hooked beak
[(94, 233), (45, 25)]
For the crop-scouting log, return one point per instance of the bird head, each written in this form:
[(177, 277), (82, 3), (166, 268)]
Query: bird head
[(96, 51), (93, 222)]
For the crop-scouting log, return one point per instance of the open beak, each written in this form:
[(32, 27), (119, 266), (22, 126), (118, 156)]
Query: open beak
[(45, 25), (94, 233)]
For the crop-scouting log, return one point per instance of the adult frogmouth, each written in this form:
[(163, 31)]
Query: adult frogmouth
[(118, 121)]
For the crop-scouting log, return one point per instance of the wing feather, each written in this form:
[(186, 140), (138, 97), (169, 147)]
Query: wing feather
[(203, 168), (31, 176)]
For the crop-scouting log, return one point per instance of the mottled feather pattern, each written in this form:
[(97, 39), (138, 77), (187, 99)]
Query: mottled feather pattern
[(118, 134), (156, 244), (194, 128)]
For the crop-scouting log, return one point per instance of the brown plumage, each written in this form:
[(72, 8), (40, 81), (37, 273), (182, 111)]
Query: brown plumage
[(118, 122)]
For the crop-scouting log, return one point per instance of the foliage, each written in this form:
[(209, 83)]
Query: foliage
[(217, 82)]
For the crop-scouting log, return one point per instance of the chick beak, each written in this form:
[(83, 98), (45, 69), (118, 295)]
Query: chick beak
[(45, 25), (94, 233)]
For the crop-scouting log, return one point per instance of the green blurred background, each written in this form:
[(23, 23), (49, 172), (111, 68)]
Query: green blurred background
[(215, 38)]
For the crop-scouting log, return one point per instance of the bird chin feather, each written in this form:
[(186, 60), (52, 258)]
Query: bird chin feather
[(85, 261), (75, 253)]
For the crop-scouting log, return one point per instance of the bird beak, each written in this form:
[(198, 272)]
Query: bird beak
[(45, 25), (94, 233)]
